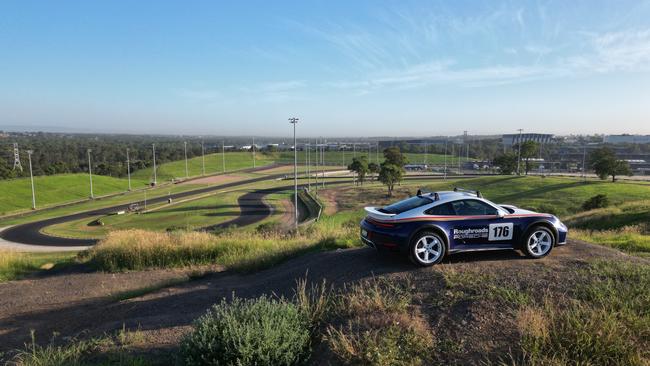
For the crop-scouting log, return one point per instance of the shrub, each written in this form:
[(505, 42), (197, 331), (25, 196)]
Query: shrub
[(260, 331), (597, 201), (269, 228)]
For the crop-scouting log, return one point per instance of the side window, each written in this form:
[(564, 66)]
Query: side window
[(473, 208), (441, 210)]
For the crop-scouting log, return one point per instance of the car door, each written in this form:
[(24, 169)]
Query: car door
[(479, 225)]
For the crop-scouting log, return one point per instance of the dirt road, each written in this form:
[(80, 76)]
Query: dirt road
[(74, 302)]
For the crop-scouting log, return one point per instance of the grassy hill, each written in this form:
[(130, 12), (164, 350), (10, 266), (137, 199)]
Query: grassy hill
[(213, 164), (55, 189)]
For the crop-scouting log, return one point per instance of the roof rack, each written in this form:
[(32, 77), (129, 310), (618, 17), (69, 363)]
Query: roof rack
[(476, 193), (435, 195)]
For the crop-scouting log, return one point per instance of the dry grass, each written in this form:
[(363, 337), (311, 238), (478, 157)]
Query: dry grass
[(378, 326), (14, 265), (240, 250)]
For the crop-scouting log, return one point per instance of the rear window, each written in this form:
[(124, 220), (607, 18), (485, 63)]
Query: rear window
[(407, 204)]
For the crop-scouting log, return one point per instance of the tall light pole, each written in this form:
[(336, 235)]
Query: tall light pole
[(584, 156), (519, 153), (309, 165), (202, 158), (445, 171), (187, 174), (223, 155), (128, 167), (294, 122), (253, 148), (155, 176), (90, 175), (31, 177)]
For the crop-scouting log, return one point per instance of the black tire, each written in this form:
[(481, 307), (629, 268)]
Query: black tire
[(434, 247), (541, 245)]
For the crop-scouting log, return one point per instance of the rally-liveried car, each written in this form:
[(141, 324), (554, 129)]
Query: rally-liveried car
[(429, 226)]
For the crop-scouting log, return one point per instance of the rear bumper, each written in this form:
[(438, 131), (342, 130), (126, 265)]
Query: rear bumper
[(380, 238)]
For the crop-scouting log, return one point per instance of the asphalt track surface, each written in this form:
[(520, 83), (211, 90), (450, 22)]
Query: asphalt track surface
[(252, 210)]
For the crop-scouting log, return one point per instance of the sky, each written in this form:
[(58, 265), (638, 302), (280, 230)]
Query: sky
[(345, 68)]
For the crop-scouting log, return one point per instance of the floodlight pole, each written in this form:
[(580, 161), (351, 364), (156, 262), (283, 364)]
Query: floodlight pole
[(445, 171), (584, 156), (187, 174), (317, 151), (31, 177), (294, 122), (309, 165), (128, 167), (90, 175), (202, 158), (519, 153), (155, 176), (223, 155)]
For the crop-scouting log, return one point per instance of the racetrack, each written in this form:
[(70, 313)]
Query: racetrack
[(252, 209)]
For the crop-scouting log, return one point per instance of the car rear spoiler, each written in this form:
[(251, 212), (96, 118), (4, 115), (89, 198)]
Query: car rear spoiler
[(376, 214)]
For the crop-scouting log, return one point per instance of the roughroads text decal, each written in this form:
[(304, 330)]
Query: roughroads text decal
[(470, 233)]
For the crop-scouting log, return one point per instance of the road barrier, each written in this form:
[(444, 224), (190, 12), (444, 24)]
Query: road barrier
[(313, 205)]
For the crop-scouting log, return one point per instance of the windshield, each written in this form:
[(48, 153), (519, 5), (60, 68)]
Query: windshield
[(407, 204)]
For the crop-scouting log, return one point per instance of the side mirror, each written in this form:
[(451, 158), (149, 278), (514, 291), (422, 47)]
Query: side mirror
[(501, 214)]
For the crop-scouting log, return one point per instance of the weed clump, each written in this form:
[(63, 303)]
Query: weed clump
[(260, 331)]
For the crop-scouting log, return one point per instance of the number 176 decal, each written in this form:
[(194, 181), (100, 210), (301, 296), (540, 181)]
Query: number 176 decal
[(500, 231)]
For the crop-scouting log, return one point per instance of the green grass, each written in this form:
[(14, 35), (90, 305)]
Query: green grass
[(213, 164), (56, 189), (14, 265), (603, 321), (189, 215), (117, 349)]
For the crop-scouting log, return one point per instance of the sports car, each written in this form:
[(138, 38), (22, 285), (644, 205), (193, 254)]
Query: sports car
[(429, 226)]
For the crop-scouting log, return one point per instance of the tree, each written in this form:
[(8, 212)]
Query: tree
[(389, 174), (507, 162), (373, 168), (604, 163), (360, 167), (528, 150), (394, 156)]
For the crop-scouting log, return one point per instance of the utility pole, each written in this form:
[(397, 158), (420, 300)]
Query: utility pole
[(223, 155), (128, 167), (17, 158), (90, 175), (187, 174), (519, 153), (202, 158), (31, 177), (155, 176), (294, 122)]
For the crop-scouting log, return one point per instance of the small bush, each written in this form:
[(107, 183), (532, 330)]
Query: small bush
[(597, 201), (260, 331), (269, 228)]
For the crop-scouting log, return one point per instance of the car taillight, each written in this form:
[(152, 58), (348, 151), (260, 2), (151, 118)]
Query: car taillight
[(379, 223)]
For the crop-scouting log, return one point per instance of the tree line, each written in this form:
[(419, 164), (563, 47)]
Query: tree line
[(65, 153)]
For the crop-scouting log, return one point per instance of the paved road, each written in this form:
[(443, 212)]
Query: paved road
[(30, 233), (252, 210)]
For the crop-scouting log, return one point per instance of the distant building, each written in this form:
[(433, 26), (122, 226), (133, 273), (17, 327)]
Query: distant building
[(627, 139), (515, 138)]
